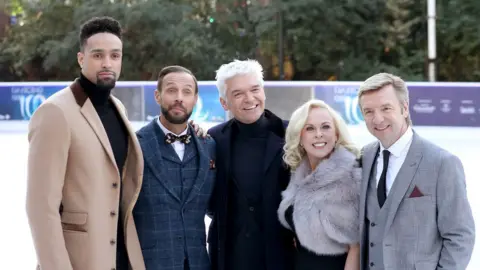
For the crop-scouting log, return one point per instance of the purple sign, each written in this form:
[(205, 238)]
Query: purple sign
[(445, 105), (431, 104)]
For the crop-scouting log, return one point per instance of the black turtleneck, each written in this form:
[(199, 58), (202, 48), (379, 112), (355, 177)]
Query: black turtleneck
[(246, 243), (111, 120), (118, 137), (248, 150)]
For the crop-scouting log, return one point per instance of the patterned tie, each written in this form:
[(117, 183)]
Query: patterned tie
[(171, 138)]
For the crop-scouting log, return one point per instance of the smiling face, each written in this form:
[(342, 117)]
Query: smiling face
[(318, 136), (385, 115), (101, 59), (245, 98)]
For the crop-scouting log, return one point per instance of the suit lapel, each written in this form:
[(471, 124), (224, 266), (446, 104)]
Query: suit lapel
[(274, 145), (153, 155), (133, 144), (170, 153), (404, 179), (134, 159), (203, 167), (90, 114), (190, 149), (368, 161), (225, 141)]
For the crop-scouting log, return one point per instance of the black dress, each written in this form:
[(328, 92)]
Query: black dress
[(307, 260)]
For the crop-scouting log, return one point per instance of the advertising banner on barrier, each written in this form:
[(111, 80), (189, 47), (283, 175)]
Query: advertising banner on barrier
[(19, 102), (430, 104), (445, 106), (343, 99), (208, 108)]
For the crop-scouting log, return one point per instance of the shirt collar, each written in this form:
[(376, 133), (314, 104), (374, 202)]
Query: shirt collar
[(166, 131), (401, 144)]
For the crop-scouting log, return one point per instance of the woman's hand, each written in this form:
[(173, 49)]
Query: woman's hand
[(353, 258)]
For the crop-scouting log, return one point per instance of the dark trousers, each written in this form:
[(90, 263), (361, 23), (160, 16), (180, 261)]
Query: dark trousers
[(186, 265)]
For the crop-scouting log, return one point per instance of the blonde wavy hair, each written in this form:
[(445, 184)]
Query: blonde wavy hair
[(294, 153)]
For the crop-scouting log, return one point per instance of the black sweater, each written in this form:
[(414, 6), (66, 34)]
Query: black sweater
[(245, 226), (118, 136)]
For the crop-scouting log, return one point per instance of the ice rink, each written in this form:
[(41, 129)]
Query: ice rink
[(16, 247)]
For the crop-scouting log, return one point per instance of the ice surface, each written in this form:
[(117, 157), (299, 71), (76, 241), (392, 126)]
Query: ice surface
[(16, 246)]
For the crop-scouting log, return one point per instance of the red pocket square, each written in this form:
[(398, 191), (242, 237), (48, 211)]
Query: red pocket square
[(416, 193), (212, 164)]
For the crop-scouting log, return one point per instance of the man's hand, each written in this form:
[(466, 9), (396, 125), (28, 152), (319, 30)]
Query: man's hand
[(198, 130)]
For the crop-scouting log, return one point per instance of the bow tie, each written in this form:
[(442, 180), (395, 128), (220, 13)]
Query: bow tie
[(171, 138)]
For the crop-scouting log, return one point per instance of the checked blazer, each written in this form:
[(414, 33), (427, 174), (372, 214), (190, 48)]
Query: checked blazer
[(170, 211)]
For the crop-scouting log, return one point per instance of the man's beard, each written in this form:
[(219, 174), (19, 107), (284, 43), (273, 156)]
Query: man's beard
[(175, 119), (107, 83)]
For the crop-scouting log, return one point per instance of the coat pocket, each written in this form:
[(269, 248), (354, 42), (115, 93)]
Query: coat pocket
[(74, 221), (426, 265)]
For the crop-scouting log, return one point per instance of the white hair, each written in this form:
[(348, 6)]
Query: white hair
[(234, 68)]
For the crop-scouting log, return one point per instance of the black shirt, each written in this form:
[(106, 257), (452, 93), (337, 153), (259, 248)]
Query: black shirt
[(245, 218), (118, 137)]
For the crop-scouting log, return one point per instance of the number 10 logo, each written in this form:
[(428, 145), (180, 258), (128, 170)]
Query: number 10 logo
[(28, 104), (353, 114)]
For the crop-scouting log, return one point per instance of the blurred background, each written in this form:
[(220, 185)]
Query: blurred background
[(313, 39), (309, 49)]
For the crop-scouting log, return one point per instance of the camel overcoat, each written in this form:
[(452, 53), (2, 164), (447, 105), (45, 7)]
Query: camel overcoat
[(73, 186)]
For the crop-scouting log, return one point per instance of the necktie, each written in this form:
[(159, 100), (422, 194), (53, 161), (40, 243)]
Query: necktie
[(382, 185), (171, 138)]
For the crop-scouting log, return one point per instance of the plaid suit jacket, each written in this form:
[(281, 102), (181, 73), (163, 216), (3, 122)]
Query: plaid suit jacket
[(170, 211)]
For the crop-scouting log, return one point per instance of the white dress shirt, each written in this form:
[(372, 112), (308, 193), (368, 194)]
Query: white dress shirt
[(398, 153), (178, 146)]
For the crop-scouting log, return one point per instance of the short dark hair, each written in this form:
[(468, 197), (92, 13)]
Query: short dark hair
[(173, 69), (99, 25)]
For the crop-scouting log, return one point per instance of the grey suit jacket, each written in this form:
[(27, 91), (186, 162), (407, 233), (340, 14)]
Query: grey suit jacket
[(430, 224)]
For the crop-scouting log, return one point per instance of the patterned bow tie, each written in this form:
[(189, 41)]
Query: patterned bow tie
[(171, 138)]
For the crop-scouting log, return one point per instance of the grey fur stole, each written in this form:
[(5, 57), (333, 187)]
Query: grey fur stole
[(326, 203)]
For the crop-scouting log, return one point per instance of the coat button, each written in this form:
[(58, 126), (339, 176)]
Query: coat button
[(372, 244), (373, 224), (112, 242), (372, 264), (112, 213), (115, 185), (252, 208)]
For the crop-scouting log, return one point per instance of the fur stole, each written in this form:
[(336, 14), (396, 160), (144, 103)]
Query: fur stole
[(326, 203)]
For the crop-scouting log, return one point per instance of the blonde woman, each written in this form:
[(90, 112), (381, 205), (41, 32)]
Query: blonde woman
[(320, 205)]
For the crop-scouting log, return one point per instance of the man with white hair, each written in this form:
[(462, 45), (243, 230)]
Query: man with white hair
[(245, 233)]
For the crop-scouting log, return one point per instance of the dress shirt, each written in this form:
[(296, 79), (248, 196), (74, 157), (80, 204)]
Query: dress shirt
[(179, 147), (398, 153)]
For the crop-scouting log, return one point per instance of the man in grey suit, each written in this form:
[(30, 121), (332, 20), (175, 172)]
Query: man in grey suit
[(414, 211)]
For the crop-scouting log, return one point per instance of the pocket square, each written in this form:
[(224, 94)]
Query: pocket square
[(416, 193), (212, 164)]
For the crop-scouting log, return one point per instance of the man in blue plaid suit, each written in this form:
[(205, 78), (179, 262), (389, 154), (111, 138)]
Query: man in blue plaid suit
[(178, 179)]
